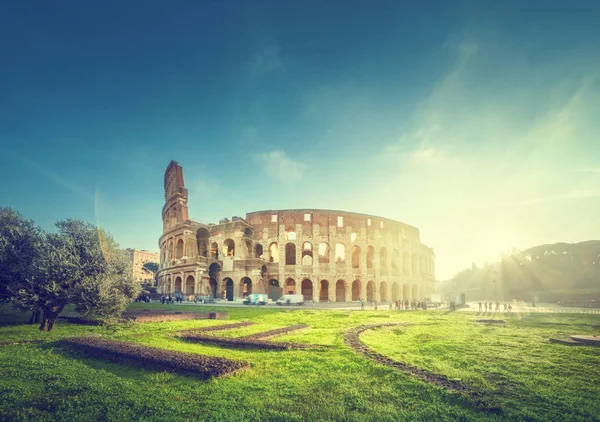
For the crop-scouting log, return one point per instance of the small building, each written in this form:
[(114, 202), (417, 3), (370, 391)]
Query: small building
[(138, 259)]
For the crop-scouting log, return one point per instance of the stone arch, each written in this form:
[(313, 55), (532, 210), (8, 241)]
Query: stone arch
[(274, 292), (324, 291), (202, 236), (307, 289), (356, 285), (214, 250), (212, 282), (307, 254), (178, 285), (406, 292), (228, 288), (355, 256), (415, 292), (290, 286), (248, 232), (324, 253), (395, 292), (383, 291), (340, 253), (340, 291), (179, 249), (290, 254), (370, 291), (274, 252), (258, 251), (383, 260), (228, 247), (370, 254), (190, 285), (395, 262), (246, 286)]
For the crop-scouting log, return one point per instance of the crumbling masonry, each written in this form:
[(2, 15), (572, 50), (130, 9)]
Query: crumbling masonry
[(325, 255)]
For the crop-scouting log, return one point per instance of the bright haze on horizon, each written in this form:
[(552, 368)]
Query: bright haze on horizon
[(476, 122)]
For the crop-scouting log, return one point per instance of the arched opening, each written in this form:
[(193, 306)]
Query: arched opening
[(340, 291), (246, 284), (179, 249), (406, 292), (395, 267), (214, 250), (370, 253), (356, 290), (248, 232), (213, 287), (202, 236), (228, 289), (290, 254), (189, 286), (290, 235), (355, 256), (274, 252), (415, 292), (307, 289), (178, 285), (340, 253), (214, 271), (395, 292), (229, 247), (324, 291), (307, 255), (274, 292), (370, 291), (383, 264), (290, 286), (248, 244), (258, 251), (383, 291), (323, 253)]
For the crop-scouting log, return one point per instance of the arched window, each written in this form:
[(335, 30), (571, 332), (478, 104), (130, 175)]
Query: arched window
[(179, 250), (323, 253), (214, 250), (355, 256), (340, 252), (274, 252), (202, 236), (307, 254), (290, 254), (258, 250), (290, 235), (370, 253), (229, 247)]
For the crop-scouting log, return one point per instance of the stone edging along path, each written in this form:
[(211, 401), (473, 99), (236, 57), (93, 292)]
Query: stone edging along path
[(352, 340)]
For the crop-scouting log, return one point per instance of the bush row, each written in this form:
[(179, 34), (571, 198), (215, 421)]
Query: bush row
[(216, 328), (245, 343), (173, 316), (155, 358), (276, 332)]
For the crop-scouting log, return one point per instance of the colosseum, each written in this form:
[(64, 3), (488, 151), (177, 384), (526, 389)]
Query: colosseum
[(326, 255)]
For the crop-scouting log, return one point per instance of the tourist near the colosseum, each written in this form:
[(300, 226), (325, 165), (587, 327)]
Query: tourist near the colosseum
[(324, 255)]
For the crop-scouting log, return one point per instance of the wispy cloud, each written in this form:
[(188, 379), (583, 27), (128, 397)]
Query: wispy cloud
[(281, 168), (267, 60)]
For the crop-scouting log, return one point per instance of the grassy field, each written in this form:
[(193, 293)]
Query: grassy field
[(513, 366)]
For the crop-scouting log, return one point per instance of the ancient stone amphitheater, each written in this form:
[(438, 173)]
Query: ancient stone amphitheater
[(325, 255)]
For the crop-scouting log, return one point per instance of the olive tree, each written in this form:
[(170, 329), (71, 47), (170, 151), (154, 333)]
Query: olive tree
[(20, 251), (81, 265)]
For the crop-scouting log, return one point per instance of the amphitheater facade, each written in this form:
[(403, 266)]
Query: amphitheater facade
[(325, 255)]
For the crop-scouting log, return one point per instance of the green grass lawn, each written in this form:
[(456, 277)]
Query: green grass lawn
[(512, 366)]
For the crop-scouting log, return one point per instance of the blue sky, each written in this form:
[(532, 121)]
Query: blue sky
[(475, 121)]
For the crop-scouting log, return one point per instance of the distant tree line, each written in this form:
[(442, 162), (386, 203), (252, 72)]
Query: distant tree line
[(551, 272), (79, 265)]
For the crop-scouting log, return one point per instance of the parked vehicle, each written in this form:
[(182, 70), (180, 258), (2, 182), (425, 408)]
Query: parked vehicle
[(291, 300), (256, 299)]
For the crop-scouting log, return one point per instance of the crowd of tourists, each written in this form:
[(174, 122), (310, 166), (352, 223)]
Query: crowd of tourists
[(400, 305), (489, 307), (169, 300)]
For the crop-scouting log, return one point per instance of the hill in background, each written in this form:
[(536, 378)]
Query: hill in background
[(560, 272)]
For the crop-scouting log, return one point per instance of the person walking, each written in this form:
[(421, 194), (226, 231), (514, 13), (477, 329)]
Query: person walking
[(480, 306), (362, 304)]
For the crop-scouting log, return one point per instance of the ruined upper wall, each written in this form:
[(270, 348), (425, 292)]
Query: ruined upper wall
[(329, 218), (175, 209)]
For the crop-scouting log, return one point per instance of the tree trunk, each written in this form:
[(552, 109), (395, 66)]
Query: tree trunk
[(49, 318), (34, 318)]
